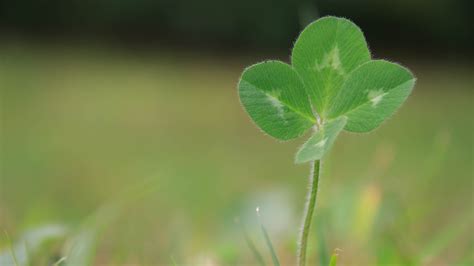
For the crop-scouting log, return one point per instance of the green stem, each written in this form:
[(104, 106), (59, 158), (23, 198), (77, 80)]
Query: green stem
[(308, 212)]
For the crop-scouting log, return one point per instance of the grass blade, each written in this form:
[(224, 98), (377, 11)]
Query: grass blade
[(10, 248), (335, 254), (82, 245), (445, 237), (322, 248), (254, 250), (60, 261), (268, 242), (333, 260), (258, 256), (30, 243)]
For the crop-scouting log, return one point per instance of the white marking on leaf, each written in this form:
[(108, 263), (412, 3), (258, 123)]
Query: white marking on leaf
[(321, 143), (330, 60), (375, 96), (275, 102)]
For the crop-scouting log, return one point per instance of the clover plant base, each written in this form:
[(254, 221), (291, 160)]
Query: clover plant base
[(331, 86)]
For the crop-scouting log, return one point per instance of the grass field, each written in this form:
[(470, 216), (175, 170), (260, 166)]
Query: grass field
[(162, 136)]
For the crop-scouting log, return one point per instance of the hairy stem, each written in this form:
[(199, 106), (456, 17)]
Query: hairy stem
[(308, 212)]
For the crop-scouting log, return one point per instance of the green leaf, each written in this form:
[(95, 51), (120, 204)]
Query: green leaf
[(324, 54), (274, 97), (333, 261), (371, 93), (317, 146)]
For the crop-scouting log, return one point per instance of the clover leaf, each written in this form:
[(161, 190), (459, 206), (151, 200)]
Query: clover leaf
[(371, 93), (275, 98), (331, 77), (324, 54), (321, 141)]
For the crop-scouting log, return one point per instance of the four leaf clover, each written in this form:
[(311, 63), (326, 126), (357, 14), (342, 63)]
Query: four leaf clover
[(331, 85)]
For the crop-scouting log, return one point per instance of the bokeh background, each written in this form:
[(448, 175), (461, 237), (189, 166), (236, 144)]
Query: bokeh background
[(123, 141)]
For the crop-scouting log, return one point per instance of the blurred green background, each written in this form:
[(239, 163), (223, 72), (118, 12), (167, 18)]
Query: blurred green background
[(121, 127)]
